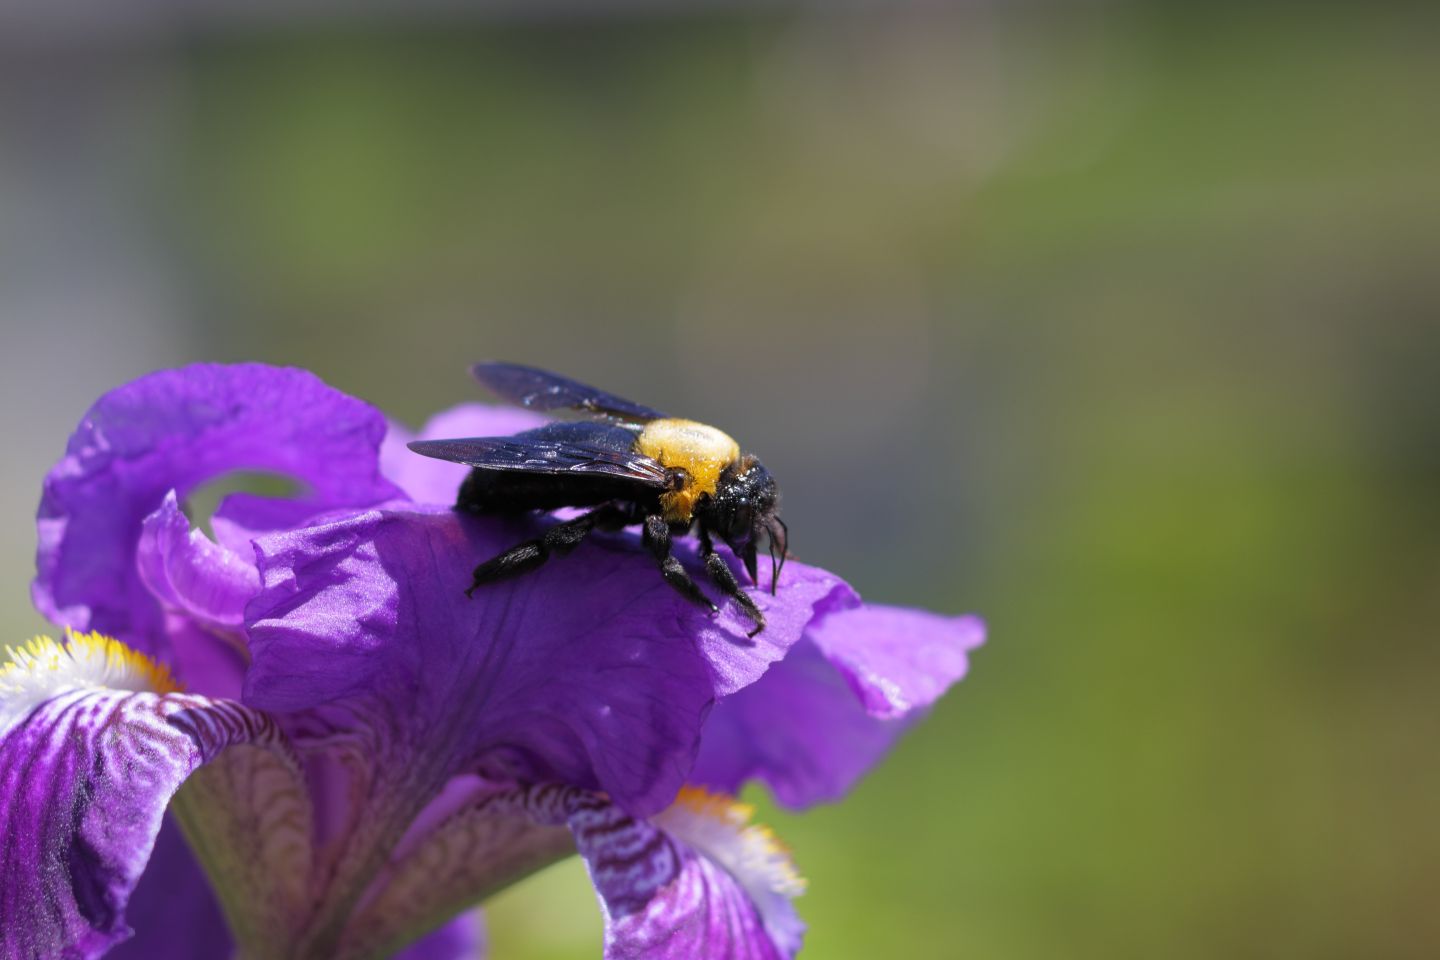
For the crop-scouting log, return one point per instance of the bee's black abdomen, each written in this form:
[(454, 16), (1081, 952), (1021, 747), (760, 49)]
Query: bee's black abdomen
[(512, 491)]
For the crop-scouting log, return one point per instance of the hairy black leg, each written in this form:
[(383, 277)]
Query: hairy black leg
[(559, 539), (657, 538), (724, 578)]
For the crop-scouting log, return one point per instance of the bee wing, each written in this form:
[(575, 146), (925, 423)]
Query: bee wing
[(547, 455), (542, 390)]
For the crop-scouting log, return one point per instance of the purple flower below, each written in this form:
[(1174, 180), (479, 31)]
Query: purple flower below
[(393, 750)]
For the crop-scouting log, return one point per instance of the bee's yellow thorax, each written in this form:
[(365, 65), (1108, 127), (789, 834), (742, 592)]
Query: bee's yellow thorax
[(700, 450)]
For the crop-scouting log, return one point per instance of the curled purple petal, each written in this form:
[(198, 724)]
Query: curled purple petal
[(173, 910), (172, 430), (813, 725), (88, 763), (192, 575), (696, 881)]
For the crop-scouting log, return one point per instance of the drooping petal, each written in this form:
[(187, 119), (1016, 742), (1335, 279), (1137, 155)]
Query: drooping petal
[(93, 743), (172, 430), (589, 671), (695, 883), (813, 725), (718, 829), (173, 911), (428, 480)]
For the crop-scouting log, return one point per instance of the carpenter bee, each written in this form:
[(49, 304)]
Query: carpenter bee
[(633, 465)]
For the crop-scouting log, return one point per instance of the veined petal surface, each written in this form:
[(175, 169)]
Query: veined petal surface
[(589, 671), (86, 772), (696, 882)]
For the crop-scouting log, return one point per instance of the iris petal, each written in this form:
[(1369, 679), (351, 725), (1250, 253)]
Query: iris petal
[(173, 911), (192, 575), (673, 889), (800, 730), (247, 815), (805, 594), (172, 430), (813, 725), (580, 672), (85, 776), (897, 660), (589, 671)]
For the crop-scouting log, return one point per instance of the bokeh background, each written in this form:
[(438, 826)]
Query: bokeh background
[(1114, 322)]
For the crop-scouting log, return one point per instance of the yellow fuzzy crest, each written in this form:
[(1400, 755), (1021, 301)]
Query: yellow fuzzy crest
[(86, 658)]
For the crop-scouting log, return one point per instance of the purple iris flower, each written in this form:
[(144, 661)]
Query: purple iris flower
[(354, 752)]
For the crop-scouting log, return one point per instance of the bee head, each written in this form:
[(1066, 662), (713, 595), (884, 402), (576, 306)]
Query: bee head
[(745, 508)]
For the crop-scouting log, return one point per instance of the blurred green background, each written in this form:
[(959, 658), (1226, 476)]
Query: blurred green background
[(1119, 324)]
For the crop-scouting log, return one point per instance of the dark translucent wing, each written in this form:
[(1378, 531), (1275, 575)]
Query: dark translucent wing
[(542, 390), (558, 448)]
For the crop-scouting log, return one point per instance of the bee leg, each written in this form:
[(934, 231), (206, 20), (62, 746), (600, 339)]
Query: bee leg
[(724, 578), (657, 538), (559, 539)]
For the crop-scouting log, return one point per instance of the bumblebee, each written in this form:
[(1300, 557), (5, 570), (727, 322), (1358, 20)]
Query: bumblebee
[(633, 465)]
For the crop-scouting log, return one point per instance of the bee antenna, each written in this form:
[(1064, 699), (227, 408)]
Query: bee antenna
[(774, 567)]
